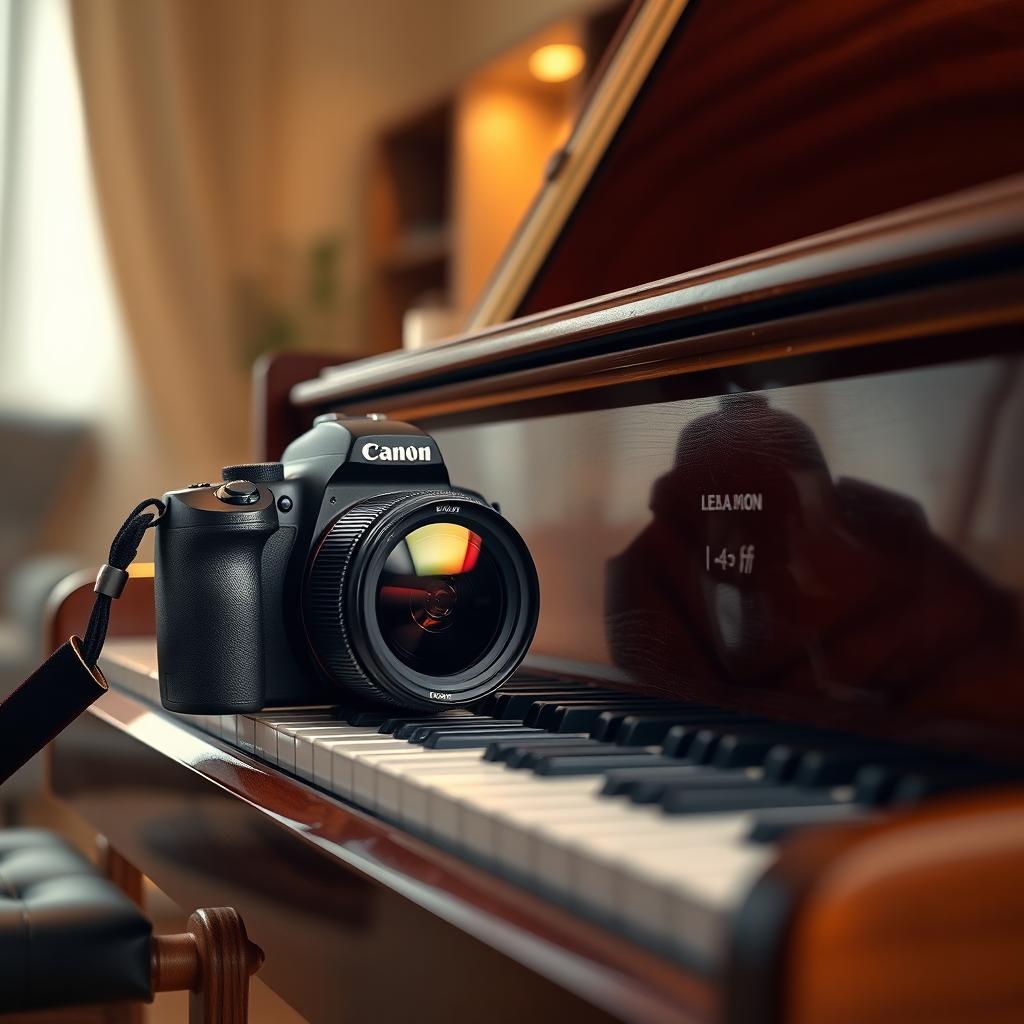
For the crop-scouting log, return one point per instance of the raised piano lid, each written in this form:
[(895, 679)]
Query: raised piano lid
[(718, 129)]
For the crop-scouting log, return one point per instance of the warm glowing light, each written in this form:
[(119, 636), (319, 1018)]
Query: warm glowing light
[(557, 62), (442, 549)]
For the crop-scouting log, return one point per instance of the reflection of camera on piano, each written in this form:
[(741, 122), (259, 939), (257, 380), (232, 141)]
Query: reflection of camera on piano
[(760, 571)]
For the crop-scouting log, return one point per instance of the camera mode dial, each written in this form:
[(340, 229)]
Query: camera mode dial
[(238, 492)]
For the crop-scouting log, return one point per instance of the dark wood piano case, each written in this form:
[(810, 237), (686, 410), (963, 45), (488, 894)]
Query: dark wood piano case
[(829, 201)]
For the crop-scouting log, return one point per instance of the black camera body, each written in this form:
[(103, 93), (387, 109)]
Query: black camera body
[(350, 572)]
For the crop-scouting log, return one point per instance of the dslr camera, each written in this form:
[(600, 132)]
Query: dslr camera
[(351, 571)]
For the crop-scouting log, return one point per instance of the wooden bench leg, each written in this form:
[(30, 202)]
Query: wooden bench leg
[(213, 959), (124, 875)]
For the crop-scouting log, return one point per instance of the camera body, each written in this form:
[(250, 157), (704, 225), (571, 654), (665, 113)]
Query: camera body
[(350, 572)]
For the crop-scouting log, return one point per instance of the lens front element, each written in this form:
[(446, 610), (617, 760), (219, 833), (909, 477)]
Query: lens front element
[(440, 600)]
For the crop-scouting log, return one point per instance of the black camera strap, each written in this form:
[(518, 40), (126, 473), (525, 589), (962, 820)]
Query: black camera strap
[(69, 680)]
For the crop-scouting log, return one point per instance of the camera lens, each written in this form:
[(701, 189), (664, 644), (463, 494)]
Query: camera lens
[(440, 599), (421, 599)]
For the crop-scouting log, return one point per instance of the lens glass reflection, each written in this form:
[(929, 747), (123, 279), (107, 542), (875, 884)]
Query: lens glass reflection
[(440, 599)]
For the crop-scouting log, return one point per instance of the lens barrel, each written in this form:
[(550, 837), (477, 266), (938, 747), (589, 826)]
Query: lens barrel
[(420, 599)]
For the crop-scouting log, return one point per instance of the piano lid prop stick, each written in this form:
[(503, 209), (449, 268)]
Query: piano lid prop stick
[(69, 681)]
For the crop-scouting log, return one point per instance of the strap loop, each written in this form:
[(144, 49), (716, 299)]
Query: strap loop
[(111, 579)]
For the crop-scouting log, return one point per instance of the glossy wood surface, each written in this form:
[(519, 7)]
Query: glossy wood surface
[(70, 604), (770, 120), (724, 310), (341, 903), (275, 420), (917, 919), (871, 584), (225, 958)]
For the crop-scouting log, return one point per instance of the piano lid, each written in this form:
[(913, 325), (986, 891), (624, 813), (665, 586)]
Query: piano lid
[(721, 129)]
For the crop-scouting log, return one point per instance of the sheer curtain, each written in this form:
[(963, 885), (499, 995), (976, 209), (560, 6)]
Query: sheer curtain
[(142, 355), (177, 99)]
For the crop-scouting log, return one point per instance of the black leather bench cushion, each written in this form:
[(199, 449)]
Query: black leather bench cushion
[(68, 937)]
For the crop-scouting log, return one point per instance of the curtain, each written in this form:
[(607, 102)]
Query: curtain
[(179, 106)]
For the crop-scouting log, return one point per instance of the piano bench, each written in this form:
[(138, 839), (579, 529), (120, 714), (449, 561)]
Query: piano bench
[(71, 938)]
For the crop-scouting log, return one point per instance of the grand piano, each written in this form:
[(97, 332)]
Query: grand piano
[(749, 383)]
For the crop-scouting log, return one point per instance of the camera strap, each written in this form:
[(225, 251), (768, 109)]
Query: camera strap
[(69, 680)]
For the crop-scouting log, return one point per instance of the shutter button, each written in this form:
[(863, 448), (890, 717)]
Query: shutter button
[(238, 492)]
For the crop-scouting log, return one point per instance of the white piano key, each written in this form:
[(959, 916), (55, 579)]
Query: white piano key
[(596, 856), (547, 832), (476, 811), (449, 805), (699, 891), (290, 738), (451, 793), (313, 753), (306, 736), (229, 728), (380, 770), (479, 814), (246, 733), (268, 725), (343, 762), (207, 723)]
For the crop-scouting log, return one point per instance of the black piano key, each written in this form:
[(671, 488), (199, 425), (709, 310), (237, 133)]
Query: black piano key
[(576, 764), (518, 705), (703, 746), (781, 762), (837, 765), (502, 751), (421, 733), (914, 786), (745, 747), (468, 740), (529, 754), (683, 800), (655, 788), (649, 780), (367, 718), (580, 717), (678, 740), (644, 730), (414, 731), (545, 712), (875, 784), (774, 824), (391, 725)]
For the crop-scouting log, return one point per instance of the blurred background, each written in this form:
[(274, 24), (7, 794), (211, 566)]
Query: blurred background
[(187, 186)]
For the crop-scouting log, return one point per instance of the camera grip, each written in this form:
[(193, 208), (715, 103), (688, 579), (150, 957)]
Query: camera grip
[(209, 617)]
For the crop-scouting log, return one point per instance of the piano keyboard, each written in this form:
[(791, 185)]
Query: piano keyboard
[(649, 817)]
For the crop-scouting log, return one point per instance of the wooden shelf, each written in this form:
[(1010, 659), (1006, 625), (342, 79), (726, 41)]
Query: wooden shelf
[(450, 182), (416, 248)]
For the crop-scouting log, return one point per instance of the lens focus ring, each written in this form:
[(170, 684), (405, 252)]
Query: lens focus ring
[(326, 618)]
